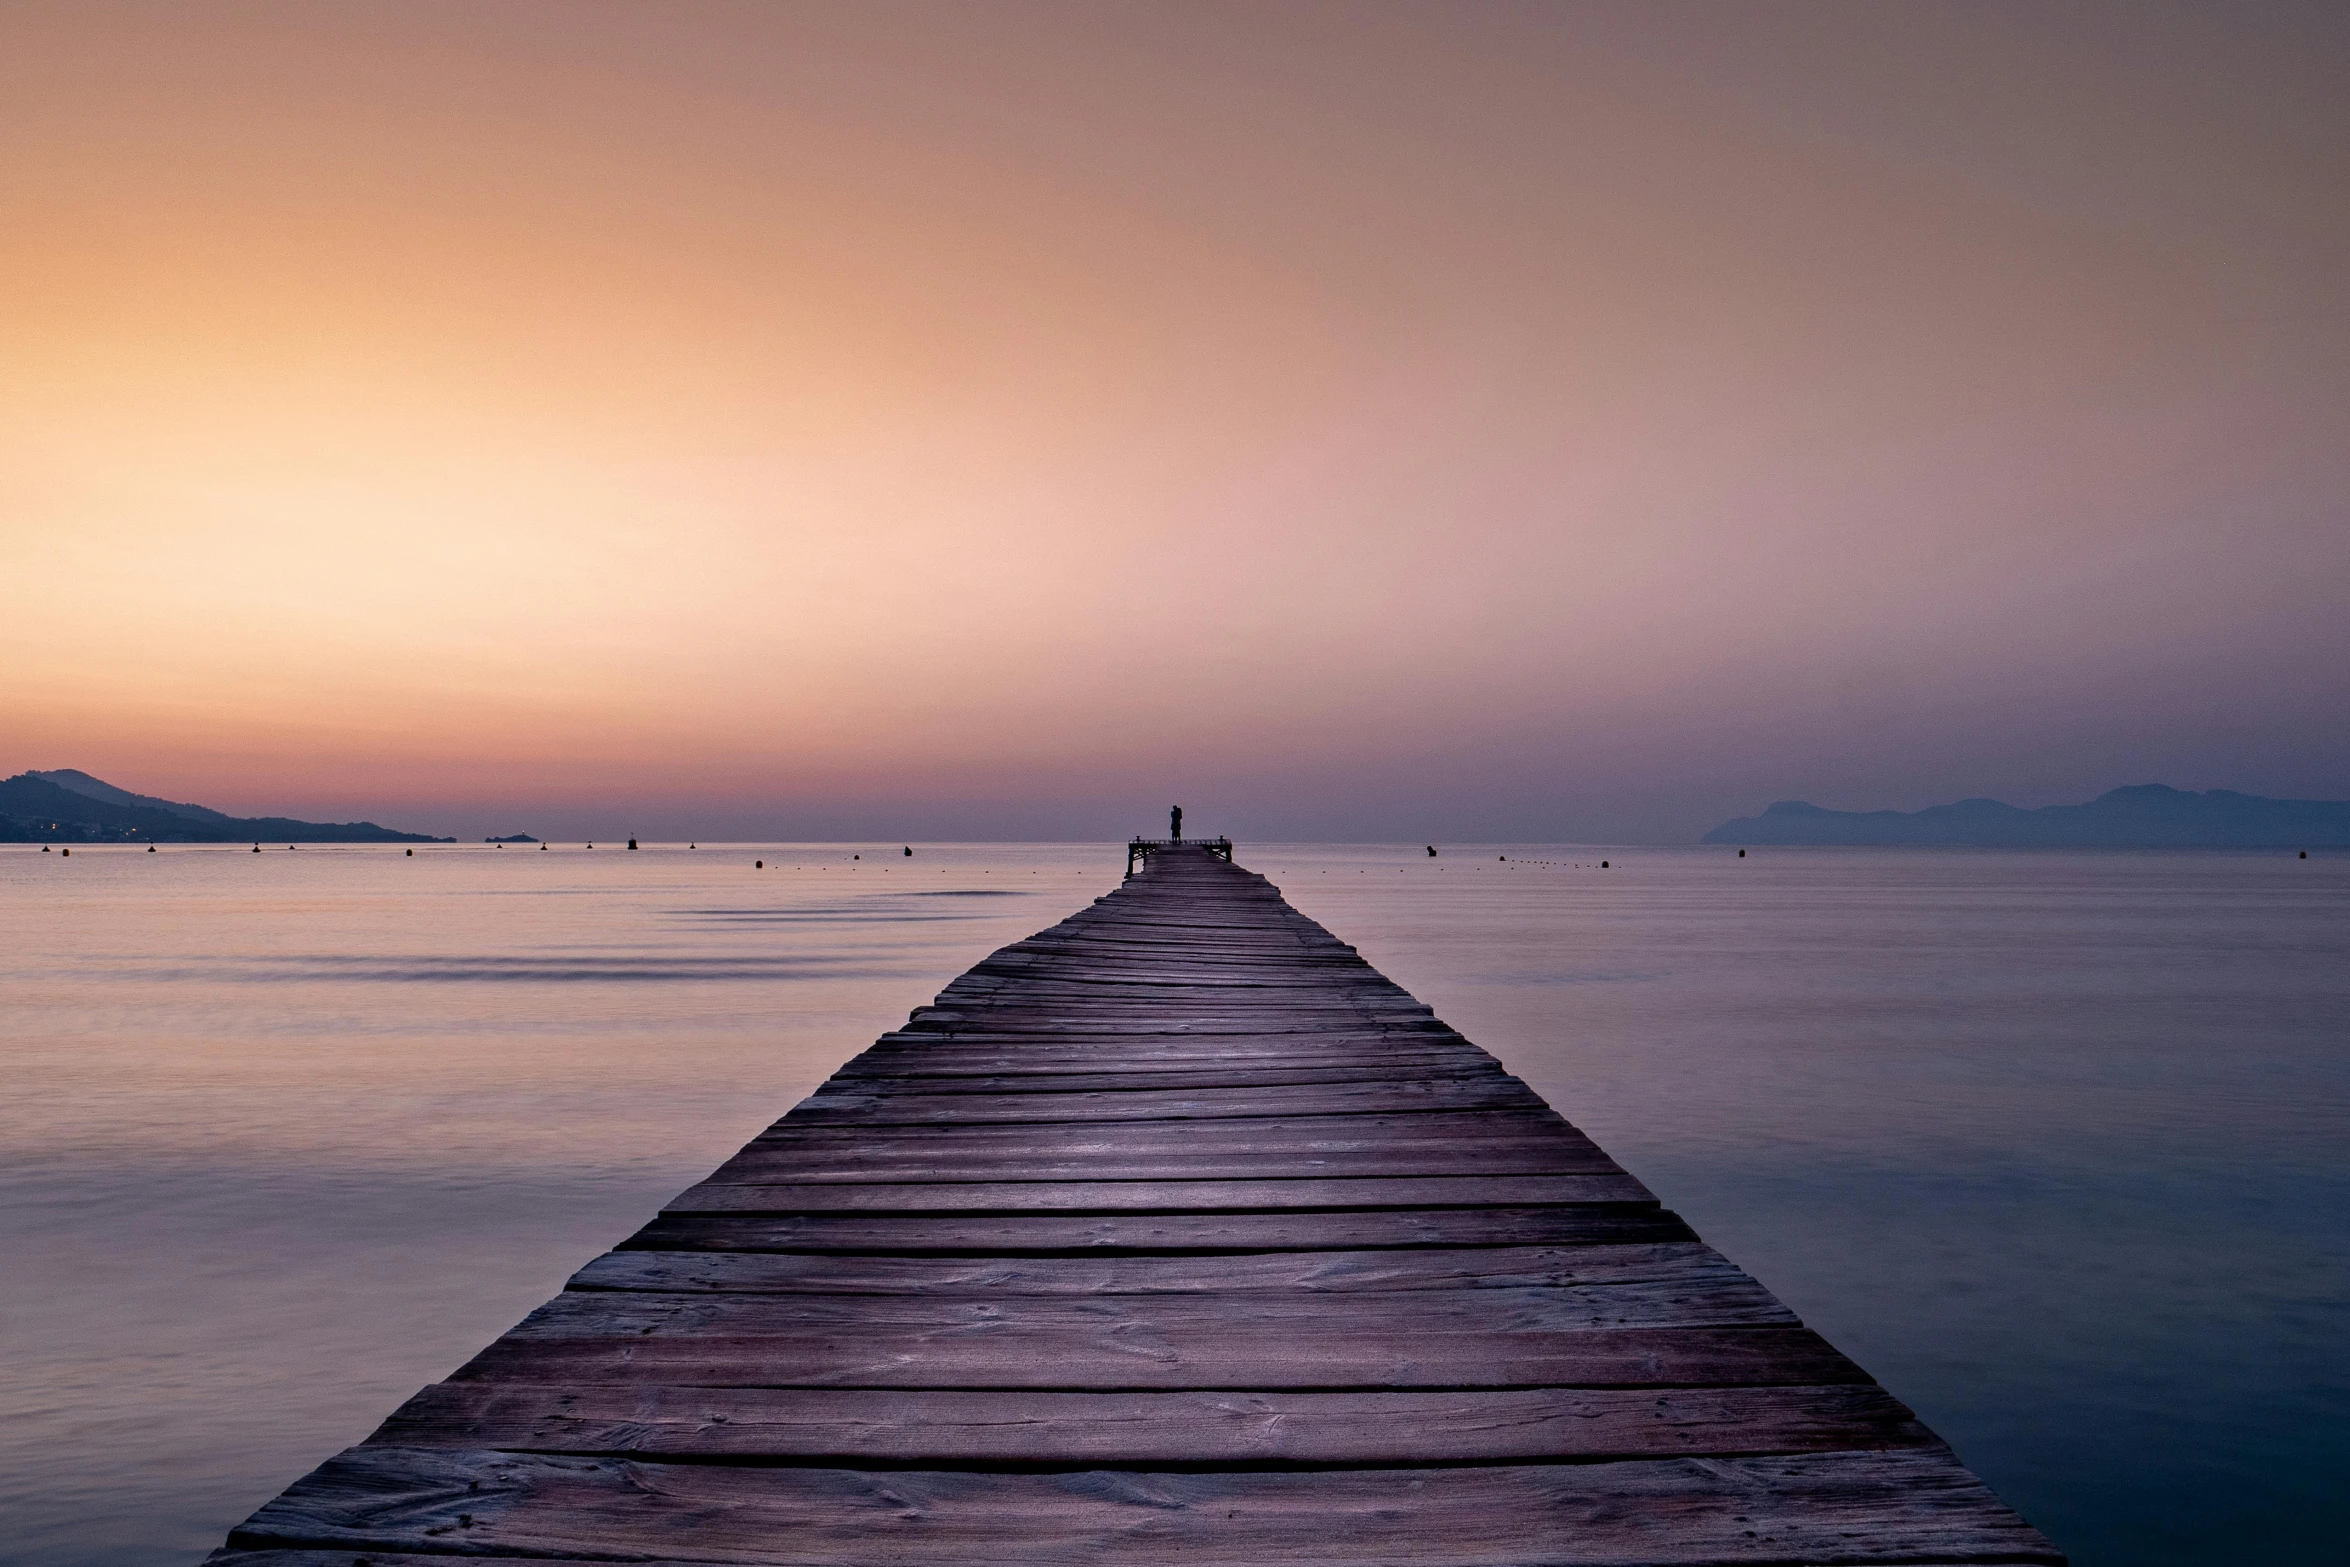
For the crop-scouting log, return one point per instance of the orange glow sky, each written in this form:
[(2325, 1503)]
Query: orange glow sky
[(998, 421)]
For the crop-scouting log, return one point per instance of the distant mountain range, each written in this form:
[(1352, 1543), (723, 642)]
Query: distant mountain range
[(2142, 816), (68, 806)]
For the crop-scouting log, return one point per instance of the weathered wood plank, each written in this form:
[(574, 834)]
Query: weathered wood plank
[(1664, 1297), (1351, 980), (1507, 1143), (1121, 1049), (867, 1107), (1392, 1129), (1197, 1022), (1434, 1191), (1163, 1054), (976, 1077), (1129, 1351), (1048, 1234), (381, 1558), (1268, 1161), (858, 1425), (1897, 1506), (1354, 1127), (1432, 1268)]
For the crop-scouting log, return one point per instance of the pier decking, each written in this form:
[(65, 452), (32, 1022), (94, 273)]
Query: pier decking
[(1174, 1233)]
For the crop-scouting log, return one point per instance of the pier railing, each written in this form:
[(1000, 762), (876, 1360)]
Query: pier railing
[(1141, 849)]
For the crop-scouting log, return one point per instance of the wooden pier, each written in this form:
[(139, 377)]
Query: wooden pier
[(1173, 1234), (1141, 849)]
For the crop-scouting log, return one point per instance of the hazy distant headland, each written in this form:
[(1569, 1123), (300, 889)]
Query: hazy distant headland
[(68, 806), (2142, 816)]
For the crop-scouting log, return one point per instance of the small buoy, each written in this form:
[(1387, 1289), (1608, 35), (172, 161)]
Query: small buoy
[(2304, 853), (909, 851), (693, 845), (44, 848), (412, 854), (542, 848), (1742, 854), (632, 843), (1603, 865), (758, 865), (151, 850), (256, 848), (68, 853), (1501, 856), (591, 845), (856, 856)]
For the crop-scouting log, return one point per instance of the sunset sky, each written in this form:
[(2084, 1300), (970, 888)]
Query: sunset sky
[(992, 421)]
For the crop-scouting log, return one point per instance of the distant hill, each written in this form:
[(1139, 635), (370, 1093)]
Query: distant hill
[(68, 806), (82, 783), (2142, 816)]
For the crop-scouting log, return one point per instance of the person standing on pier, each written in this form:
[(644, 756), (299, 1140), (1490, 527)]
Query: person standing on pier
[(1175, 824)]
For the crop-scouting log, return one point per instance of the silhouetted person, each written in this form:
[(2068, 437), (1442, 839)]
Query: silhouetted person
[(1175, 824), (1432, 851)]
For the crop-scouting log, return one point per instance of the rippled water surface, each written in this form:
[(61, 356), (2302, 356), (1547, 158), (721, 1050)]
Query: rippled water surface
[(2057, 1145)]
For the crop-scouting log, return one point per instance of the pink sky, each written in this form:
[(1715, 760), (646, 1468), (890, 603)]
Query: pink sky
[(1518, 421)]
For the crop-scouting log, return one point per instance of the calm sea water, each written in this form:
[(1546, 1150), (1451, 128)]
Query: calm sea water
[(2057, 1145)]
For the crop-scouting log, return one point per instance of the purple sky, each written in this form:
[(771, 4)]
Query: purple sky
[(1530, 422)]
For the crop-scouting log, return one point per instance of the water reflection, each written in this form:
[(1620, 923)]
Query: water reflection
[(2054, 1144)]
